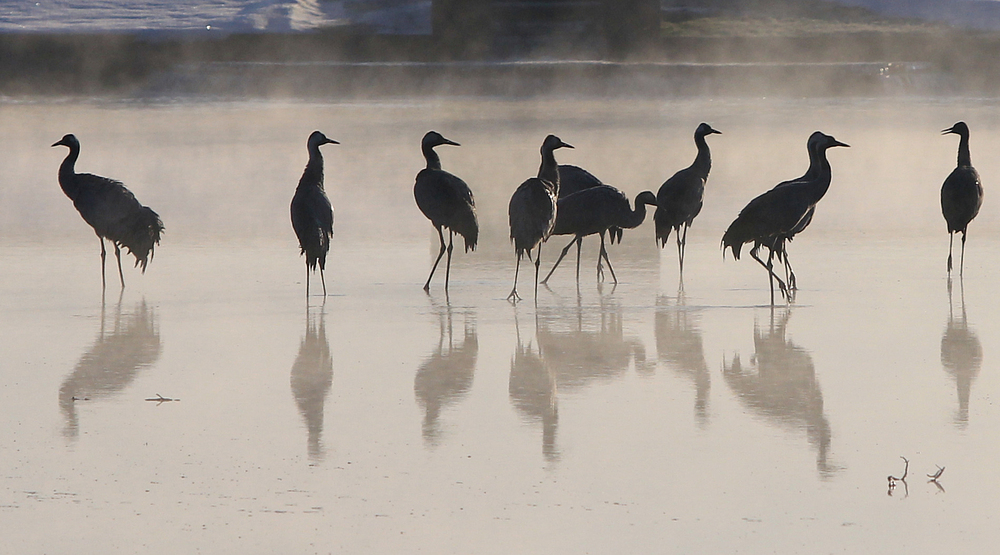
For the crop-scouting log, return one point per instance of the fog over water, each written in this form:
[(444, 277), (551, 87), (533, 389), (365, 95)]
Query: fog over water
[(633, 418)]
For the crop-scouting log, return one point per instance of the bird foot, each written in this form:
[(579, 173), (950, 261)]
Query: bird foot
[(513, 297)]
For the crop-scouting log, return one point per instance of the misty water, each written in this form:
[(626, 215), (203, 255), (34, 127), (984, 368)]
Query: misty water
[(593, 419)]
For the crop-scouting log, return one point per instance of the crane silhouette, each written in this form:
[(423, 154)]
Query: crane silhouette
[(961, 194), (777, 214), (111, 209), (446, 201), (532, 210), (680, 198), (597, 210), (312, 215), (780, 244)]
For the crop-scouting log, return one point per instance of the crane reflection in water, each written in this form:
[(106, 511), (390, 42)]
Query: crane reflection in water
[(532, 390), (679, 346), (311, 379), (961, 355), (784, 388), (445, 376), (112, 362)]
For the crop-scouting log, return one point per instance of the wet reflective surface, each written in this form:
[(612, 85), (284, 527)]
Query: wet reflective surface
[(632, 418)]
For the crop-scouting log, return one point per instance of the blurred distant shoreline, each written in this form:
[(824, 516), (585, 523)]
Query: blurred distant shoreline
[(688, 56)]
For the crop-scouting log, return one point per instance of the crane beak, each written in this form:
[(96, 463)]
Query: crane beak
[(838, 143), (565, 145), (450, 142), (330, 142), (949, 130), (714, 131), (58, 143)]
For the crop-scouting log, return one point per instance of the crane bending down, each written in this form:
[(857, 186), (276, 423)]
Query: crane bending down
[(532, 210), (772, 217), (596, 210), (961, 194), (680, 198), (111, 209), (446, 201), (312, 214)]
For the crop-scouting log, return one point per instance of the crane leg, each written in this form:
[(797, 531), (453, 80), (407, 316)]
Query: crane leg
[(118, 256), (579, 247), (307, 280), (951, 243), (427, 286), (447, 268), (770, 270), (538, 261), (604, 253), (323, 281), (682, 246), (961, 262), (561, 256), (513, 292), (104, 255)]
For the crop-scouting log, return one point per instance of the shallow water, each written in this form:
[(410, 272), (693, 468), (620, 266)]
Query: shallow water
[(627, 419)]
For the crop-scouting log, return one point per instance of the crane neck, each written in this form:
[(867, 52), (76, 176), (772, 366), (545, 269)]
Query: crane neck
[(964, 157), (549, 170), (703, 161), (822, 174), (636, 216), (67, 173), (313, 174), (433, 161)]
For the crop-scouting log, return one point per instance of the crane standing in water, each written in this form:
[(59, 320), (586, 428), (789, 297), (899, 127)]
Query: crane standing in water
[(532, 210), (111, 209), (597, 210), (312, 214), (680, 198), (961, 194), (446, 201), (775, 215)]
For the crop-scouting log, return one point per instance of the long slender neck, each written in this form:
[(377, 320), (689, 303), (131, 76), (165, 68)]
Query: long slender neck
[(433, 161), (964, 158), (820, 182), (702, 162), (67, 173), (313, 174), (549, 170), (637, 216)]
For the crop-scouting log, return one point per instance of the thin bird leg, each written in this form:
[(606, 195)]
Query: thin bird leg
[(680, 249), (951, 243), (447, 270), (118, 255), (604, 253), (683, 246), (307, 280), (104, 255), (513, 292), (427, 286), (538, 261), (579, 246), (770, 271), (561, 256), (323, 281), (961, 262)]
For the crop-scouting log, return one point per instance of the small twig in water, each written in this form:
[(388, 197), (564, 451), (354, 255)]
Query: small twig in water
[(936, 475), (892, 479), (161, 399)]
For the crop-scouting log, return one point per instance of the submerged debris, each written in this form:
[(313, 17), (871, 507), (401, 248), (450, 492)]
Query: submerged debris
[(161, 399)]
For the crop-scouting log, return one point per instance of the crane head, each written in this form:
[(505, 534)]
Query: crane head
[(433, 139), (69, 140), (552, 142), (706, 129), (645, 197), (959, 128), (316, 139)]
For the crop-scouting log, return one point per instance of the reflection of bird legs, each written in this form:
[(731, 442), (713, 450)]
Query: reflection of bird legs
[(600, 270)]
